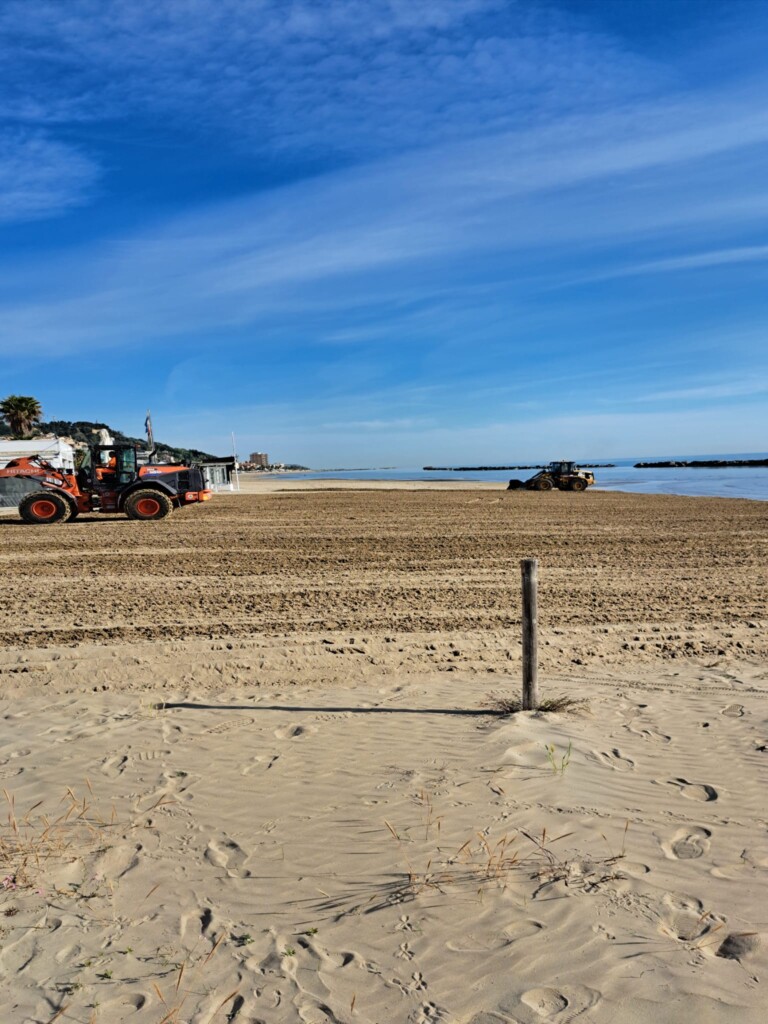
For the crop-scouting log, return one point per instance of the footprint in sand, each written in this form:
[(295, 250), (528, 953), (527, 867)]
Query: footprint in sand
[(227, 854), (234, 723), (9, 773), (739, 946), (688, 844), (694, 791), (470, 943), (317, 1013), (324, 959), (733, 711), (179, 782), (612, 759), (646, 732), (560, 1004), (686, 919), (294, 732), (194, 924), (136, 1000), (118, 861), (114, 766), (522, 930), (261, 762), (429, 1013)]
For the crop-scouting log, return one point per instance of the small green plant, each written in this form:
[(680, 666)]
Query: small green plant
[(244, 940), (288, 951), (105, 975), (559, 764), (310, 931)]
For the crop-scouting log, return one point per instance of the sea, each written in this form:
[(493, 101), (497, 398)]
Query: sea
[(732, 482)]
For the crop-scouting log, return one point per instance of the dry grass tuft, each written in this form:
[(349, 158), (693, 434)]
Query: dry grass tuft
[(34, 843), (30, 842), (502, 704)]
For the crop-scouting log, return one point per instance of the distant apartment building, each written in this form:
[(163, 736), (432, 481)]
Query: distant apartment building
[(259, 459)]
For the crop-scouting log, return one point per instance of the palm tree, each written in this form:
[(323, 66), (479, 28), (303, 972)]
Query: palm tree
[(21, 413)]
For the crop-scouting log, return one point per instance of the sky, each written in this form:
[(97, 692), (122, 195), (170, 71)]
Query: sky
[(390, 232)]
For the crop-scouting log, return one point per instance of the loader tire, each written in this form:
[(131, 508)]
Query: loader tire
[(578, 485), (42, 508), (147, 504), (543, 485)]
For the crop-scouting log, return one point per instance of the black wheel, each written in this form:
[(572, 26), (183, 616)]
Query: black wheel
[(578, 485), (515, 485), (543, 484), (44, 507), (147, 504)]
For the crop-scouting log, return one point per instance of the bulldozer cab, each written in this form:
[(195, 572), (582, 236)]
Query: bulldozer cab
[(562, 468)]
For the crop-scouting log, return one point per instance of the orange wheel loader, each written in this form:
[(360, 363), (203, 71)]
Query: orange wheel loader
[(108, 479)]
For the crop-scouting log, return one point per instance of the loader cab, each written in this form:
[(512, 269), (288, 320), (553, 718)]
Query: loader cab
[(108, 466), (562, 468)]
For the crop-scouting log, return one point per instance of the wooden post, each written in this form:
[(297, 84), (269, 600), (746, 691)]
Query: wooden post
[(530, 572)]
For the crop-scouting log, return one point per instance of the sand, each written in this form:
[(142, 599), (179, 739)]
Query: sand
[(324, 823)]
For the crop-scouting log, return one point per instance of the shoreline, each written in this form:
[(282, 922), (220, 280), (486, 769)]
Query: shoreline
[(706, 464)]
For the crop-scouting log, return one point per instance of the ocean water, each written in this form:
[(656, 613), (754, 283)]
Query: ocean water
[(712, 483)]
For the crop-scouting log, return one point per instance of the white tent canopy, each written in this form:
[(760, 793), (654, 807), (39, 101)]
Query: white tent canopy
[(59, 453)]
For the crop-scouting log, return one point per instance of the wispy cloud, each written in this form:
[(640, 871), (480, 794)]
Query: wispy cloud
[(40, 177), (692, 261), (549, 195), (335, 76), (755, 384), (451, 208)]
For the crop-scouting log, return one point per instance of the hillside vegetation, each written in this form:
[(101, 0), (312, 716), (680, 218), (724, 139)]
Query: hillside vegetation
[(83, 431)]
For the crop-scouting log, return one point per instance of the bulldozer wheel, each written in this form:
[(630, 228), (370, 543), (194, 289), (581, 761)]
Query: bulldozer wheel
[(147, 504), (578, 485), (543, 485), (44, 507)]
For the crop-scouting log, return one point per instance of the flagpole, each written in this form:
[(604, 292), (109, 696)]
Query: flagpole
[(150, 435), (234, 452)]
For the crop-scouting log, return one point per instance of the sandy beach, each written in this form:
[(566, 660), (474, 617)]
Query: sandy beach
[(324, 823)]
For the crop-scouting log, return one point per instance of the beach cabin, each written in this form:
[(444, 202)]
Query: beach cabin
[(218, 475)]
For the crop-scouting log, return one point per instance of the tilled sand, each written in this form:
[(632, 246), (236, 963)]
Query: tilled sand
[(623, 578)]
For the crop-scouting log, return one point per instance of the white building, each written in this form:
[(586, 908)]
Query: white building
[(218, 475), (59, 453)]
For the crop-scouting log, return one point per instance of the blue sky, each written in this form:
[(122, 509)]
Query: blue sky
[(390, 232)]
